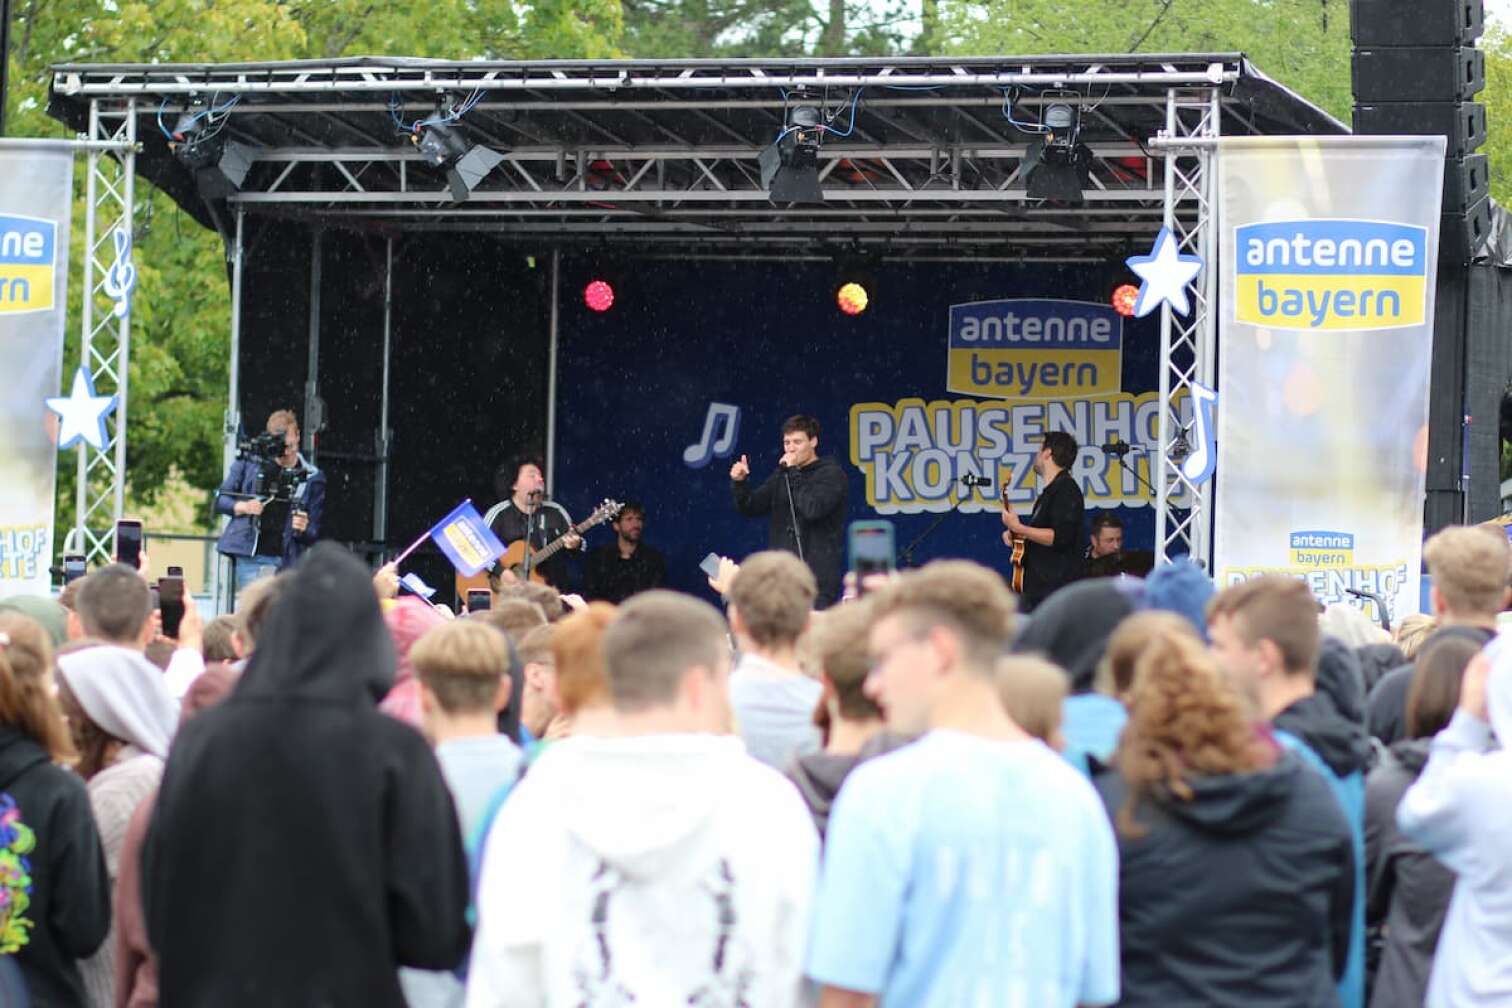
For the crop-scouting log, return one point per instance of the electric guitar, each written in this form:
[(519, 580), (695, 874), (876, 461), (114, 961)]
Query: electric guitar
[(1017, 558), (515, 556)]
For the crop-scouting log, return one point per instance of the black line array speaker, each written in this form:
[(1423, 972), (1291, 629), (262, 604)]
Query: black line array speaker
[(1418, 73), (1416, 22), (1462, 123)]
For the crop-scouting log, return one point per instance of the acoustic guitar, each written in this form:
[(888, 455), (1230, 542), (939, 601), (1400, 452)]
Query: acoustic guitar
[(1017, 559), (518, 552)]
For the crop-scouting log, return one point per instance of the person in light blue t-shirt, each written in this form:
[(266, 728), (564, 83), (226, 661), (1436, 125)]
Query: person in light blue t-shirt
[(975, 866)]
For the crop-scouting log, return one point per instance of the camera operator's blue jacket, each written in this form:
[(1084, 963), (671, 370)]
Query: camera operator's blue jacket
[(240, 535)]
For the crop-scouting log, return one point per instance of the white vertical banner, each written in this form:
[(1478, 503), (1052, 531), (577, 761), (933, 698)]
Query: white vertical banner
[(36, 188), (1328, 256)]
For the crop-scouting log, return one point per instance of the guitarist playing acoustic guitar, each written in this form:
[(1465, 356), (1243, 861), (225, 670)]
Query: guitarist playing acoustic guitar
[(526, 514), (1047, 548)]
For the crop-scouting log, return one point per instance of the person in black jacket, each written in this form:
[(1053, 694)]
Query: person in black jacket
[(1236, 881), (69, 896), (304, 845), (1053, 534), (805, 499)]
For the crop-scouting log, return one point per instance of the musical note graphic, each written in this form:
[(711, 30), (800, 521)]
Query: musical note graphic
[(1198, 466), (696, 456), (120, 279)]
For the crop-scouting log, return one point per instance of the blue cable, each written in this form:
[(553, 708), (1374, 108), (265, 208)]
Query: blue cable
[(1025, 127), (855, 100)]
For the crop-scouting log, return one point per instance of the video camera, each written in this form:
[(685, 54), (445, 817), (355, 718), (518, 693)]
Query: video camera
[(273, 480)]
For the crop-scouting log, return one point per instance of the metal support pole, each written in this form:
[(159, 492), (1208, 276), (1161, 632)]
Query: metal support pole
[(78, 538), (123, 344), (551, 368), (384, 436), (313, 420), (224, 571)]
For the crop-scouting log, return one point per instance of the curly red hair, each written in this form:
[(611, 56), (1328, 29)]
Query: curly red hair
[(1184, 720)]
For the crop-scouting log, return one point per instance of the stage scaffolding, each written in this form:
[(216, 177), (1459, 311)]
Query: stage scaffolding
[(659, 158)]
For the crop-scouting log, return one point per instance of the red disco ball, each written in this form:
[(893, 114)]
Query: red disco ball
[(851, 298), (598, 295), (1125, 298)]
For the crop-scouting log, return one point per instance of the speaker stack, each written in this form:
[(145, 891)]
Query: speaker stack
[(1417, 70)]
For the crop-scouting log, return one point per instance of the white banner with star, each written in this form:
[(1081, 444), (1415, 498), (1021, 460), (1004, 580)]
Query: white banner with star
[(1329, 251), (36, 190)]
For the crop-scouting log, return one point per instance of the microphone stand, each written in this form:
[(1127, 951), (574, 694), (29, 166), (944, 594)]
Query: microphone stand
[(1120, 456), (792, 508), (905, 558)]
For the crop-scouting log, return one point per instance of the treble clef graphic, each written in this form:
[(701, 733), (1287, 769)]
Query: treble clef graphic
[(120, 279)]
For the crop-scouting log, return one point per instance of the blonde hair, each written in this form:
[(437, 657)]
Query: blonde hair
[(965, 597), (839, 645), (1471, 567), (535, 646), (1414, 629), (462, 662), (26, 699), (283, 420), (1032, 691)]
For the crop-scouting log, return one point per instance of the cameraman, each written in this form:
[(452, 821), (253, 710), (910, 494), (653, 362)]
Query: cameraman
[(275, 502)]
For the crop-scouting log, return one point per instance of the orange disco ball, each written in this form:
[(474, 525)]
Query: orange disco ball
[(851, 298)]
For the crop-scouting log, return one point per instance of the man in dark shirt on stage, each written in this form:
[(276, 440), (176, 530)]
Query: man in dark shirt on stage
[(525, 513), (1053, 534), (619, 569), (804, 501)]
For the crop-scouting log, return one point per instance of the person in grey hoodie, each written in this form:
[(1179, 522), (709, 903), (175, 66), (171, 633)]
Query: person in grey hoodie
[(1460, 810), (1407, 890)]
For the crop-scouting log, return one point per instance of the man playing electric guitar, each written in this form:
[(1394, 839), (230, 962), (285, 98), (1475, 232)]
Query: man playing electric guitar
[(1052, 537), (526, 514)]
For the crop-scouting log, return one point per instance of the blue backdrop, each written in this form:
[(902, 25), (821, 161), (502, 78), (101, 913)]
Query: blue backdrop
[(635, 385)]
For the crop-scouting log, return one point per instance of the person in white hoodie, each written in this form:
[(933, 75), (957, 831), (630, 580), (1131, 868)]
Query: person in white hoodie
[(1460, 810), (656, 863)]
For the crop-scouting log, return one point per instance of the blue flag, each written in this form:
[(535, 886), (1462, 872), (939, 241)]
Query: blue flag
[(414, 583), (468, 543)]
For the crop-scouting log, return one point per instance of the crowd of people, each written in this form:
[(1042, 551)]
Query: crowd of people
[(1148, 792)]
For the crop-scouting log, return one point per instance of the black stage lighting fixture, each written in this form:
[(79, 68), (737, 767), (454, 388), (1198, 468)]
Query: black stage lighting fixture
[(1057, 165), (443, 146), (219, 165), (790, 166)]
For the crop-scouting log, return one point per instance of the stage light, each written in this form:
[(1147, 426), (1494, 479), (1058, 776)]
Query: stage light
[(219, 165), (852, 299), (790, 165), (598, 295), (443, 146), (1057, 164), (1125, 297)]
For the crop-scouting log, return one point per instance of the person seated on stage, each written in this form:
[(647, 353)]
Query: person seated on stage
[(525, 513), (772, 700), (619, 569), (1105, 549)]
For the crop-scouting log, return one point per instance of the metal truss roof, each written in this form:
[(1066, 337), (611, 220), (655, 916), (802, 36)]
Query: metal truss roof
[(660, 156)]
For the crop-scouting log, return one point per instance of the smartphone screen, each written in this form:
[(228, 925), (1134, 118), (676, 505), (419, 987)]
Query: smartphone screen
[(871, 549), (171, 604), (710, 565), (74, 567), (478, 600), (177, 572), (129, 542)]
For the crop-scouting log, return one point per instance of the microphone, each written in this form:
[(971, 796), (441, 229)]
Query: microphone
[(969, 481), (536, 495), (1118, 448)]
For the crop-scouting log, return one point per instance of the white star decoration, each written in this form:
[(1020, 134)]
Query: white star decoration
[(1166, 273), (82, 412)]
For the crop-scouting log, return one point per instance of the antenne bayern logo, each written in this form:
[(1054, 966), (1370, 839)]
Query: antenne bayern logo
[(1331, 274), (26, 264)]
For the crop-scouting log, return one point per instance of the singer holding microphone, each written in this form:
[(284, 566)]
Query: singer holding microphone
[(804, 501)]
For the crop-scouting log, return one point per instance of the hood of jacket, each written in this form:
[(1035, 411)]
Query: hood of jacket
[(124, 694), (1071, 628), (1338, 741), (1234, 804), (19, 752), (642, 804), (1376, 660), (1411, 754), (1338, 674), (325, 638)]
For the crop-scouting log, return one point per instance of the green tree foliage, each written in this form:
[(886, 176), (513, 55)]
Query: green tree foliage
[(1302, 43), (181, 311), (736, 28)]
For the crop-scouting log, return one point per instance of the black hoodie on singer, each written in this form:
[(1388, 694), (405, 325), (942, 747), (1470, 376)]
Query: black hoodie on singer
[(1241, 896), (304, 845)]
